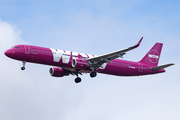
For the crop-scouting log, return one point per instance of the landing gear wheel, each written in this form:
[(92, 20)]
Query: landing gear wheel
[(22, 68), (77, 80), (93, 74)]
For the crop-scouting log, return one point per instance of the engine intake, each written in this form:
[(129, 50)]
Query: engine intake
[(79, 64), (58, 72)]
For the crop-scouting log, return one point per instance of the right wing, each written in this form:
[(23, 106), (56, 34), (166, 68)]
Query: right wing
[(97, 62)]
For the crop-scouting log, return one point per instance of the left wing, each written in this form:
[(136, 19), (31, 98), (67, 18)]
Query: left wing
[(97, 62)]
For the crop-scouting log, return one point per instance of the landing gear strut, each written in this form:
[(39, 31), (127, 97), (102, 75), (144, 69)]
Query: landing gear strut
[(23, 68), (93, 74), (78, 79)]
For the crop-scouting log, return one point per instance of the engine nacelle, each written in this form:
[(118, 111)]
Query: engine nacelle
[(79, 64), (58, 72)]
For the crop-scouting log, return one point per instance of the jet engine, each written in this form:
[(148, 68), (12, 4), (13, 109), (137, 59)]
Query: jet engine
[(58, 72), (79, 64)]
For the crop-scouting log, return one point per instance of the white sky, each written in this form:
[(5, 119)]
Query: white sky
[(94, 27)]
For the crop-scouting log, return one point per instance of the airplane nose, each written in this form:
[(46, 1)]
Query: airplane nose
[(11, 54), (8, 53)]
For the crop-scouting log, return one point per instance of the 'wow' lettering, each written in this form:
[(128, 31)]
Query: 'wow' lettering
[(66, 55)]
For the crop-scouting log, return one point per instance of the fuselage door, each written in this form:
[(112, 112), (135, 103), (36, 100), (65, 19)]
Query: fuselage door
[(27, 49), (140, 67)]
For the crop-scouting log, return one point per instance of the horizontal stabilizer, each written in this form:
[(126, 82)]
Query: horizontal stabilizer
[(161, 67)]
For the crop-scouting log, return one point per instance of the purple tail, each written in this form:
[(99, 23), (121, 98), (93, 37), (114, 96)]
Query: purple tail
[(152, 57)]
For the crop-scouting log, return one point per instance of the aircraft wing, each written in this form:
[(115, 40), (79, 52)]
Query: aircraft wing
[(97, 62)]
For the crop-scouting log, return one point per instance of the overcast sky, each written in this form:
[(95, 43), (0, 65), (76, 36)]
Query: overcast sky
[(93, 27)]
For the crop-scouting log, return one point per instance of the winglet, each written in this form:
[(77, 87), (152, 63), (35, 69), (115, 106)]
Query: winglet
[(139, 42), (137, 45)]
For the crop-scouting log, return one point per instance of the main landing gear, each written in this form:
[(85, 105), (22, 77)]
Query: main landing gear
[(23, 68), (78, 79), (93, 74)]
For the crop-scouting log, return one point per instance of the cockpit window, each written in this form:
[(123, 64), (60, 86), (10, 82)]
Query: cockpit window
[(15, 48)]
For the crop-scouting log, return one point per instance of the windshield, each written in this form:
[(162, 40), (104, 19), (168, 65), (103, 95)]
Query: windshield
[(15, 48)]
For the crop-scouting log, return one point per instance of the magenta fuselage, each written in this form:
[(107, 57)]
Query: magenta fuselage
[(63, 59)]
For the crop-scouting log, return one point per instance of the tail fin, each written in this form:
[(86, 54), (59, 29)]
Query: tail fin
[(152, 57)]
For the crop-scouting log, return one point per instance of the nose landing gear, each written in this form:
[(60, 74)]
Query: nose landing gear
[(23, 68)]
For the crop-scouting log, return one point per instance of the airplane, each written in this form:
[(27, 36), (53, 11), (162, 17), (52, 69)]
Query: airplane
[(73, 63)]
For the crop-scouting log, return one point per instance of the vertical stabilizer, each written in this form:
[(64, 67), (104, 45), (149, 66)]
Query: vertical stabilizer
[(153, 56)]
